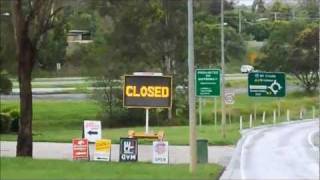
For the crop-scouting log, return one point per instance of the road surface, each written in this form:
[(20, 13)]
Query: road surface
[(177, 154), (286, 151)]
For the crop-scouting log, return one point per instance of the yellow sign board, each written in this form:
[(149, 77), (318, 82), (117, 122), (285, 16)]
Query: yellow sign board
[(102, 150)]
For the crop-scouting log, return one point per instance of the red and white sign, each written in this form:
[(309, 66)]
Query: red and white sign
[(80, 149), (160, 152), (229, 97), (92, 130)]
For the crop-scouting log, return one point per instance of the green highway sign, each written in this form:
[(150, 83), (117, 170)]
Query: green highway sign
[(207, 82), (265, 84)]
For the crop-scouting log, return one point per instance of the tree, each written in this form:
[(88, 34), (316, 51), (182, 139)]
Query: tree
[(293, 48), (303, 59), (258, 6), (32, 19), (215, 6)]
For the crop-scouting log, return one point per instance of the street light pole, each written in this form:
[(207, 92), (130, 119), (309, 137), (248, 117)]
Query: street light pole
[(223, 112), (192, 100)]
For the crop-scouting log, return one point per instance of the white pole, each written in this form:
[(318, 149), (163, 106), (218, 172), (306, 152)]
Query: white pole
[(313, 113), (274, 116), (200, 111), (191, 89), (263, 117), (288, 115), (240, 122), (147, 120), (301, 114), (250, 121)]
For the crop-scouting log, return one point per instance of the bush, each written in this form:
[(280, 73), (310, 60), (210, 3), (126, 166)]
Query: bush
[(15, 116), (5, 122), (5, 84)]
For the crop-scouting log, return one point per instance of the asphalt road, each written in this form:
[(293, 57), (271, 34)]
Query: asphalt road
[(287, 151), (177, 154)]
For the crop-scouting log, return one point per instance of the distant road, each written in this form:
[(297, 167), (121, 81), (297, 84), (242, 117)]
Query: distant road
[(286, 151)]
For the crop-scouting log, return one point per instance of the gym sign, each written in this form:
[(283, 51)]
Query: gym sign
[(147, 91)]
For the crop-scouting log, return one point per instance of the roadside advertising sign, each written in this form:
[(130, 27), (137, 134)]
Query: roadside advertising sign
[(147, 91), (128, 149), (207, 82), (92, 130), (102, 150), (80, 149), (160, 152), (266, 84)]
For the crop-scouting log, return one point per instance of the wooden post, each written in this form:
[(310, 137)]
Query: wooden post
[(288, 115), (240, 122), (250, 125), (263, 117)]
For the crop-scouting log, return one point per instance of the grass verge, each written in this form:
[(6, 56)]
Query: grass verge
[(62, 169)]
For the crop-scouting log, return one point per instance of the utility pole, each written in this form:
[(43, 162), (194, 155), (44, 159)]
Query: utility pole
[(239, 19), (223, 112), (192, 98), (319, 56)]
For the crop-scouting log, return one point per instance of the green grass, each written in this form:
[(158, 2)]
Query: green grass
[(60, 121), (26, 168)]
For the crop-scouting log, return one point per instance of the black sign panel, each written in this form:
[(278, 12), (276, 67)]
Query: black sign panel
[(128, 149), (147, 91)]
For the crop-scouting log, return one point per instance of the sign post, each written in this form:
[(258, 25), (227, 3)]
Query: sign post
[(207, 85), (102, 150), (160, 152), (80, 149), (147, 91), (128, 149), (266, 84), (92, 130)]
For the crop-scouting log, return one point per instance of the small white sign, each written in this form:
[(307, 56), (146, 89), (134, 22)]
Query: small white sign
[(160, 152), (229, 97), (92, 130)]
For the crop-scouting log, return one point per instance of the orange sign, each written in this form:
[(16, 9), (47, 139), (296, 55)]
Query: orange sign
[(80, 149)]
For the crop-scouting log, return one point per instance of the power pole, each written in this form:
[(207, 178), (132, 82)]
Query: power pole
[(319, 56), (223, 112), (192, 98), (239, 20)]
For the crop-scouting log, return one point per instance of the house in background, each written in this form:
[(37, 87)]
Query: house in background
[(76, 39), (79, 36)]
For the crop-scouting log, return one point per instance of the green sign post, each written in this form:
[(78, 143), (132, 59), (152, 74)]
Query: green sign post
[(265, 84), (207, 82)]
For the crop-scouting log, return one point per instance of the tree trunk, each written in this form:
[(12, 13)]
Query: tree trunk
[(25, 59)]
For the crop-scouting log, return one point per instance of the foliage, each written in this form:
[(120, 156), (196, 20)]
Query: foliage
[(207, 42), (9, 120), (259, 30), (292, 47), (258, 6), (303, 59), (5, 83), (5, 122), (215, 6)]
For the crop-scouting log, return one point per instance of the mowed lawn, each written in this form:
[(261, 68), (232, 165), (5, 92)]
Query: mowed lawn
[(62, 120), (27, 169)]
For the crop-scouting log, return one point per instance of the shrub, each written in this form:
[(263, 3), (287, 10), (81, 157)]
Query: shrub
[(5, 84), (15, 116), (5, 122)]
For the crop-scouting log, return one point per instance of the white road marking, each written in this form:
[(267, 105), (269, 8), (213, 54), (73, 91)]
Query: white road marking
[(310, 139)]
